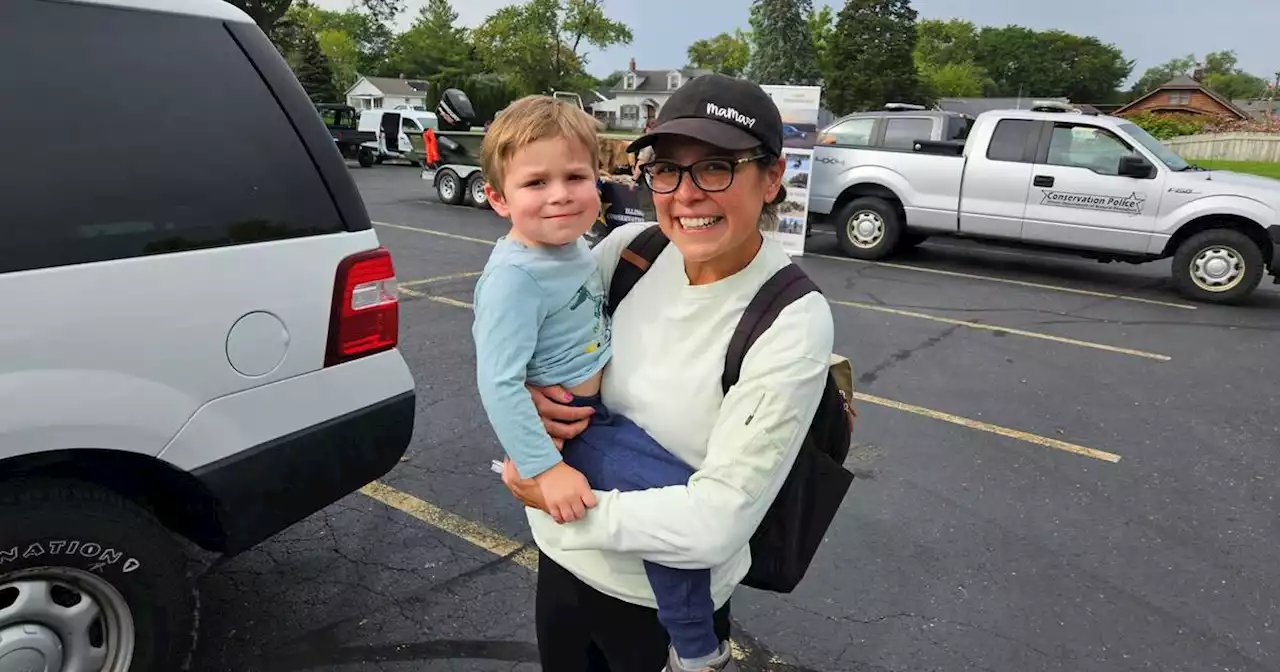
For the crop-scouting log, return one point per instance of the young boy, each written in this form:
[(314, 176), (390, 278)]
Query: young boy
[(539, 319)]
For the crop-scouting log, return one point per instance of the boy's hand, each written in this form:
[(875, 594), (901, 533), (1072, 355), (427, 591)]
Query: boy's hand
[(565, 492)]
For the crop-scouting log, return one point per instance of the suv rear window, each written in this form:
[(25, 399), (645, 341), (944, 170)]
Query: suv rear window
[(143, 133)]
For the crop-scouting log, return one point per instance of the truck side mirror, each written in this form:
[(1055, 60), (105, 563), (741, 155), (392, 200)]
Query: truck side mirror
[(1136, 166)]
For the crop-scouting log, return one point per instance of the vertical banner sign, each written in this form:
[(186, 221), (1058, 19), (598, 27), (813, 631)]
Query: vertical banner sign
[(799, 106)]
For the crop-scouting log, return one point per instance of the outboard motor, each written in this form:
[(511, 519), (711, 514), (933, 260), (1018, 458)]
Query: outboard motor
[(454, 112)]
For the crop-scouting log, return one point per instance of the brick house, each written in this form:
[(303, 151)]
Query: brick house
[(1183, 95)]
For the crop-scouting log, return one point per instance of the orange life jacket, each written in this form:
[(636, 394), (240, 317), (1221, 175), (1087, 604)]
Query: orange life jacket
[(431, 147)]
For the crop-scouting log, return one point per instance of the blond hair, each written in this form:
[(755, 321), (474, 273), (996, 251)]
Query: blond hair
[(529, 120)]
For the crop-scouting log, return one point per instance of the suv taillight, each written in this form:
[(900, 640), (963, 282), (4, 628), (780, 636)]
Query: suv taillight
[(365, 316)]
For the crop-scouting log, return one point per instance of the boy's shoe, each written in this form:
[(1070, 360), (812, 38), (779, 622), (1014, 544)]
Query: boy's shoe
[(722, 663)]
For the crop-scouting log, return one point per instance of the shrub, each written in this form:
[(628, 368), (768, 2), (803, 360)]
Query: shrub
[(1165, 126)]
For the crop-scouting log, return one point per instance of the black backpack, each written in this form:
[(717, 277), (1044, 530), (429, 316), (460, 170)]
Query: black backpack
[(784, 544)]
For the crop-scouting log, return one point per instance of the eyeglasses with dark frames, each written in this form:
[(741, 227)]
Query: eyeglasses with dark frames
[(711, 175)]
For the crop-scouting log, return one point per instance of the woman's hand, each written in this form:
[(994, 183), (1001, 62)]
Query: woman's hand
[(525, 489), (562, 421)]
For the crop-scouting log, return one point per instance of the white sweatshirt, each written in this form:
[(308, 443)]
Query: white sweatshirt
[(669, 344)]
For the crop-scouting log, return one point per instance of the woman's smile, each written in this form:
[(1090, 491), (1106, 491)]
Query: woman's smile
[(699, 224)]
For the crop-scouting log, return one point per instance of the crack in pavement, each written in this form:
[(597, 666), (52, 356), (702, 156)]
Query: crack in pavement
[(873, 374)]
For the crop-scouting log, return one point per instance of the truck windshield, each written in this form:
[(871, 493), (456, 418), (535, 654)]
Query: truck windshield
[(1168, 156)]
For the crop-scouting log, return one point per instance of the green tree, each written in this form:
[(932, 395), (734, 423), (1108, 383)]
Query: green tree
[(873, 49), (724, 53), (950, 42), (266, 13), (1224, 77), (434, 44), (944, 58), (1155, 76), (343, 54), (537, 44), (822, 26), (1221, 74), (782, 46), (1051, 63), (372, 38), (311, 67), (953, 80)]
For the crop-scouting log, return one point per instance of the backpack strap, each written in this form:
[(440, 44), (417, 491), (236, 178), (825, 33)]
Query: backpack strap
[(784, 288), (634, 262)]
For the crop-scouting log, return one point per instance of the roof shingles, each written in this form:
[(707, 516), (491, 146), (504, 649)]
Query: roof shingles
[(655, 81)]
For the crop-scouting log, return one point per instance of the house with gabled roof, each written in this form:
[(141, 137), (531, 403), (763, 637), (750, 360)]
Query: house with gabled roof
[(1183, 95), (374, 93), (640, 95)]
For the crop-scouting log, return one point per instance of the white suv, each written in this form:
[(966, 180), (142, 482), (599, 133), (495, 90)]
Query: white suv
[(198, 325)]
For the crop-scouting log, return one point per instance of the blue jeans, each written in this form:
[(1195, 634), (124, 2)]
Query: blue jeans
[(616, 454)]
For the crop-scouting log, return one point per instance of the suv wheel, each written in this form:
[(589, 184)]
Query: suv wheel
[(868, 228), (1217, 266), (89, 581)]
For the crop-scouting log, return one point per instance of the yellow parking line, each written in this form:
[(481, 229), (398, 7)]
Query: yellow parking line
[(442, 234), (927, 412), (439, 278), (476, 534), (988, 427), (467, 530), (1003, 330), (1008, 281)]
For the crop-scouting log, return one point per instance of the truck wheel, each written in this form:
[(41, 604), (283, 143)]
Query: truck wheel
[(449, 188), (89, 581), (366, 158), (475, 192), (868, 228), (1217, 266)]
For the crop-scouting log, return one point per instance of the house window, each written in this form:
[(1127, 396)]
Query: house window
[(673, 81), (1179, 97), (629, 82), (629, 112)]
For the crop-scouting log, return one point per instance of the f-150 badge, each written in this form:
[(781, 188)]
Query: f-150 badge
[(1130, 205)]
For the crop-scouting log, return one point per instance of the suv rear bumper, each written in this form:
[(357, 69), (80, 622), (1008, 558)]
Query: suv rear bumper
[(263, 490)]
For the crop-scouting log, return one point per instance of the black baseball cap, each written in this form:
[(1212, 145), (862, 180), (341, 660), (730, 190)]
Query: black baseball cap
[(724, 111)]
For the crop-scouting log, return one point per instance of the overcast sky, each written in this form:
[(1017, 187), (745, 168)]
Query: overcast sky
[(1148, 31)]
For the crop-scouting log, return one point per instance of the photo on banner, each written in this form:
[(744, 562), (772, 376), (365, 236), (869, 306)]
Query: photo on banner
[(799, 106)]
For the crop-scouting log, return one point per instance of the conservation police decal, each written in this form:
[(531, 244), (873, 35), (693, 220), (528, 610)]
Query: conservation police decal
[(1129, 205)]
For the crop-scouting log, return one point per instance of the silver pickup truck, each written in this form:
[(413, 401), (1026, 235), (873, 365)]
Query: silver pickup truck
[(1089, 185)]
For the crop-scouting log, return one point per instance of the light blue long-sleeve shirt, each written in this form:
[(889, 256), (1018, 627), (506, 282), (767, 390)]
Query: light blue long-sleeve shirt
[(539, 318)]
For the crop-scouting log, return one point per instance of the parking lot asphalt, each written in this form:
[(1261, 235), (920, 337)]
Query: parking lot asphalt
[(1062, 466)]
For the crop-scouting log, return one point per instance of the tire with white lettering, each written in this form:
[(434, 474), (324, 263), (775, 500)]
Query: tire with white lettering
[(90, 581), (1217, 266), (868, 228)]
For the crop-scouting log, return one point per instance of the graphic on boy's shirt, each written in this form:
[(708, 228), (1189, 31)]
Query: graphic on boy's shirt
[(602, 325)]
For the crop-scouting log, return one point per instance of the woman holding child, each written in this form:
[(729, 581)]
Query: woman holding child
[(644, 521)]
